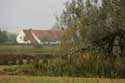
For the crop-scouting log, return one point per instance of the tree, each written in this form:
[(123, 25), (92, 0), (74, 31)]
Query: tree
[(93, 25), (112, 24), (3, 36), (70, 20), (12, 38)]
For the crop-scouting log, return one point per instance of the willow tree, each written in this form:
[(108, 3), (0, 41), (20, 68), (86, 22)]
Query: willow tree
[(110, 28), (94, 25), (74, 21)]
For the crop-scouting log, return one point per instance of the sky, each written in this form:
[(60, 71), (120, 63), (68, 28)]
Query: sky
[(25, 14)]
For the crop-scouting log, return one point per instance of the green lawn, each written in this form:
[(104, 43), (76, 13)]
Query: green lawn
[(30, 79), (23, 49)]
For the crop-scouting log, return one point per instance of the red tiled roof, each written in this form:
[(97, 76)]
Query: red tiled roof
[(30, 36), (51, 35), (40, 34)]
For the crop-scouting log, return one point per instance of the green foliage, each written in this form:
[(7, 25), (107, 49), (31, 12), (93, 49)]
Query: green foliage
[(67, 61), (89, 35), (11, 38), (24, 49), (80, 65), (36, 45), (92, 28), (3, 36), (88, 24)]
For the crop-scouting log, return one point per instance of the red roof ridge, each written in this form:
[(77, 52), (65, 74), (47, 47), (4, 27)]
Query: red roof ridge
[(51, 35)]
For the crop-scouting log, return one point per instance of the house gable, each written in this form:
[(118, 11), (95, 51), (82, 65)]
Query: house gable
[(39, 36), (21, 38)]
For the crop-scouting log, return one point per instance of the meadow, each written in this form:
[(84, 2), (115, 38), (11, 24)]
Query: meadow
[(38, 79), (23, 49), (57, 62)]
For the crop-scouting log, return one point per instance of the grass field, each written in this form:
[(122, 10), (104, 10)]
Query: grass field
[(20, 50), (30, 79), (23, 49)]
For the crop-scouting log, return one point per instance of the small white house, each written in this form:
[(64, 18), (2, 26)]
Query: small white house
[(39, 36)]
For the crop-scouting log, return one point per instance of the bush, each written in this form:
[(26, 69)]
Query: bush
[(67, 62), (36, 45)]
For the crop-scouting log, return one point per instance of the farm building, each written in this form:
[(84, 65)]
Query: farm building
[(39, 37)]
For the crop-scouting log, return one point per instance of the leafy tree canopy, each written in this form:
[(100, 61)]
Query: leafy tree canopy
[(91, 24)]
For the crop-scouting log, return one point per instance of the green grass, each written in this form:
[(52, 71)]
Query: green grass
[(38, 79), (23, 49)]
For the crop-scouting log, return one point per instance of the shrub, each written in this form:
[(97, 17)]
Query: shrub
[(67, 62)]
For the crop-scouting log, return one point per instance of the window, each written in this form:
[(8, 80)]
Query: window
[(21, 37)]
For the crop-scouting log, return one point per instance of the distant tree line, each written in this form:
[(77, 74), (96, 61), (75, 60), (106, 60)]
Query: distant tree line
[(3, 36), (7, 38)]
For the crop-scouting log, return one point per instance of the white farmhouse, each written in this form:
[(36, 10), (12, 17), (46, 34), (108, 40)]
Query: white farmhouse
[(39, 36)]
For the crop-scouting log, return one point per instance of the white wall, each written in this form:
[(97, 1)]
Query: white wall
[(20, 38)]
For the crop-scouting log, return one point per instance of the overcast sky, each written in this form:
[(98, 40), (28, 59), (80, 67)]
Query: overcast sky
[(19, 14)]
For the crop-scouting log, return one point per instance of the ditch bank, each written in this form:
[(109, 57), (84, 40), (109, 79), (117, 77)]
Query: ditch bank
[(9, 59)]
